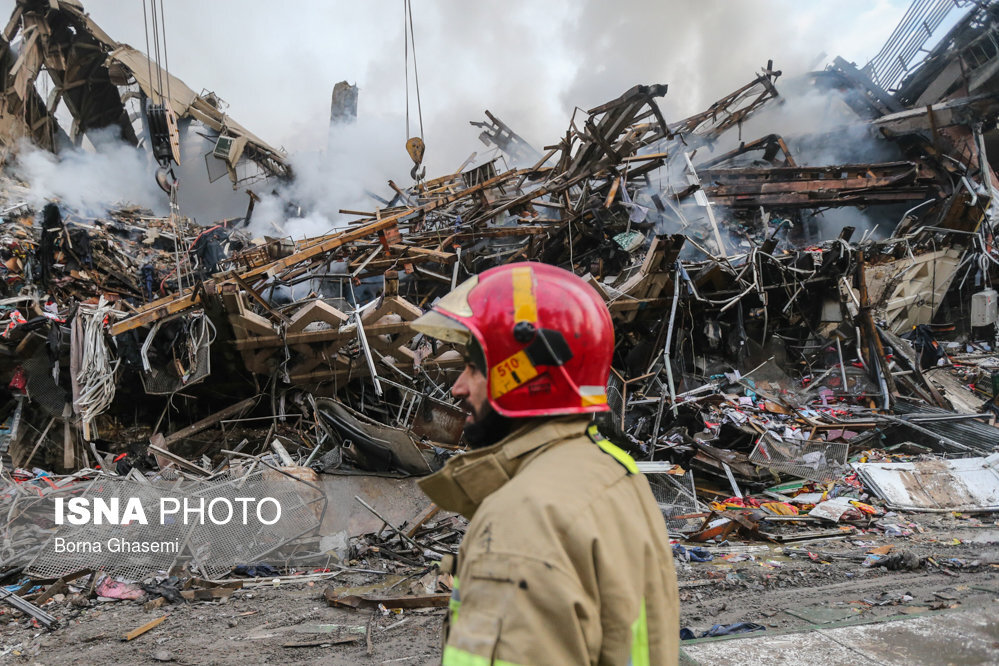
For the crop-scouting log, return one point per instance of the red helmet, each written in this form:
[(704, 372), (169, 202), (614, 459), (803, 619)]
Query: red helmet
[(546, 336)]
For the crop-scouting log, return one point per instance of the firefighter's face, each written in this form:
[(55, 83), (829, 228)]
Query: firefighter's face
[(472, 392)]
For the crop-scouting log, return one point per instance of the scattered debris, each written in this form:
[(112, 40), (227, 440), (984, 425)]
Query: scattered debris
[(806, 332)]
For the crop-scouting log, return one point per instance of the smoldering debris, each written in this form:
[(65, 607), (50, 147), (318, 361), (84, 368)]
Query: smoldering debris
[(770, 350)]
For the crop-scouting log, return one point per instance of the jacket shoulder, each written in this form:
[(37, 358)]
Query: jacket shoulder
[(562, 499)]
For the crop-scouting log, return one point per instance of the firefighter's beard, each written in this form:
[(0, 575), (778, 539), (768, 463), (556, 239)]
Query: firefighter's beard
[(488, 428)]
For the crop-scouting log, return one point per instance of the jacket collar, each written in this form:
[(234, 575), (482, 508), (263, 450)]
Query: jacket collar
[(466, 480)]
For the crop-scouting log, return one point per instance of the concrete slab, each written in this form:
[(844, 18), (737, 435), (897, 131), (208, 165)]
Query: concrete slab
[(951, 637), (399, 500), (823, 614)]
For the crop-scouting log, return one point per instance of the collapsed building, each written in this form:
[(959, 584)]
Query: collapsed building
[(784, 302)]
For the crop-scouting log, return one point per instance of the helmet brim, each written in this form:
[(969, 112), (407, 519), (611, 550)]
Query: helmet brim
[(440, 326)]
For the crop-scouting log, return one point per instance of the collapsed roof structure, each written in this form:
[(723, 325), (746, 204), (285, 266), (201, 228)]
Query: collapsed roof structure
[(104, 83), (753, 344)]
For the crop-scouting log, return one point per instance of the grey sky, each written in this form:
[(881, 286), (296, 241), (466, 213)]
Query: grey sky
[(528, 62)]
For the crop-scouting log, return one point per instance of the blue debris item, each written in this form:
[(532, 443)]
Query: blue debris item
[(697, 554), (17, 586), (256, 570), (687, 634)]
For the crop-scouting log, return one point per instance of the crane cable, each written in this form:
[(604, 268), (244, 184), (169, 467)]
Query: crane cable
[(158, 28), (414, 145), (163, 129)]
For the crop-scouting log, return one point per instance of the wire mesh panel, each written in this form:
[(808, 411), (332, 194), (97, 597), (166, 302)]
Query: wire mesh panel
[(213, 525), (161, 381), (675, 496), (215, 549), (42, 387), (99, 545), (806, 459)]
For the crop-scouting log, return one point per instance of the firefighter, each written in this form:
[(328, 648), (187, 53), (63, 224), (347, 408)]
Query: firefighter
[(566, 559)]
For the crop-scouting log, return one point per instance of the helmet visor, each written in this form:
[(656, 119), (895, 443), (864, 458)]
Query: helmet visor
[(439, 326), (439, 322)]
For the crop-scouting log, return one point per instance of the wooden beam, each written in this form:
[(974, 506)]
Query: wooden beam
[(208, 421), (258, 298), (312, 337), (158, 310), (147, 315)]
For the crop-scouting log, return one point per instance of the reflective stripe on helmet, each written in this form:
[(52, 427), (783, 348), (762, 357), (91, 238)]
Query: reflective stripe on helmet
[(510, 373), (611, 449), (592, 395), (525, 307)]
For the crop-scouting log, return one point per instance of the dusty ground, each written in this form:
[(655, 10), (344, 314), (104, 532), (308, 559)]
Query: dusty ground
[(782, 591), (250, 628), (775, 588)]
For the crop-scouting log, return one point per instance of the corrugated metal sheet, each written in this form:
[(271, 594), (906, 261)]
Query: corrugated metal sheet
[(980, 436)]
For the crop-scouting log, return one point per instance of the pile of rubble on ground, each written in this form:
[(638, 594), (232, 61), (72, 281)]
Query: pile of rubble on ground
[(778, 381)]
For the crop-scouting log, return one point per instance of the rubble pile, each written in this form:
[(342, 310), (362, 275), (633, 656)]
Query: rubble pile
[(780, 376)]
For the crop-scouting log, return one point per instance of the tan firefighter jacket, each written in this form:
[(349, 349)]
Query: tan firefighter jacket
[(566, 559)]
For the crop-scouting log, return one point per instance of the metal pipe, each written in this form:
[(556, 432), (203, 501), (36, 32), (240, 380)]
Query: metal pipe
[(842, 366), (31, 609), (666, 361)]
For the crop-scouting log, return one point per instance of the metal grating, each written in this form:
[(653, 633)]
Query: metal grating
[(903, 51), (806, 459), (30, 537), (42, 388), (675, 496)]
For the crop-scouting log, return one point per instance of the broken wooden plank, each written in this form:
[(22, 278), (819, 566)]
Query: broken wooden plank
[(154, 604), (324, 641), (427, 514), (369, 601), (207, 422), (174, 459), (55, 588), (135, 633)]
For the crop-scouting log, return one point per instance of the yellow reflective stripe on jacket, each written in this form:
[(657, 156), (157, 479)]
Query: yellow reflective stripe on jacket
[(612, 450), (640, 639), (454, 603), (455, 657)]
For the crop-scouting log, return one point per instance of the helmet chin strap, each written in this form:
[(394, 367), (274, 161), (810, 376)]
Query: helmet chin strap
[(561, 366)]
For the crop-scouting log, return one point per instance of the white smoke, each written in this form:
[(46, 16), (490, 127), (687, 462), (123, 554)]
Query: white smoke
[(91, 182), (528, 63), (352, 159)]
